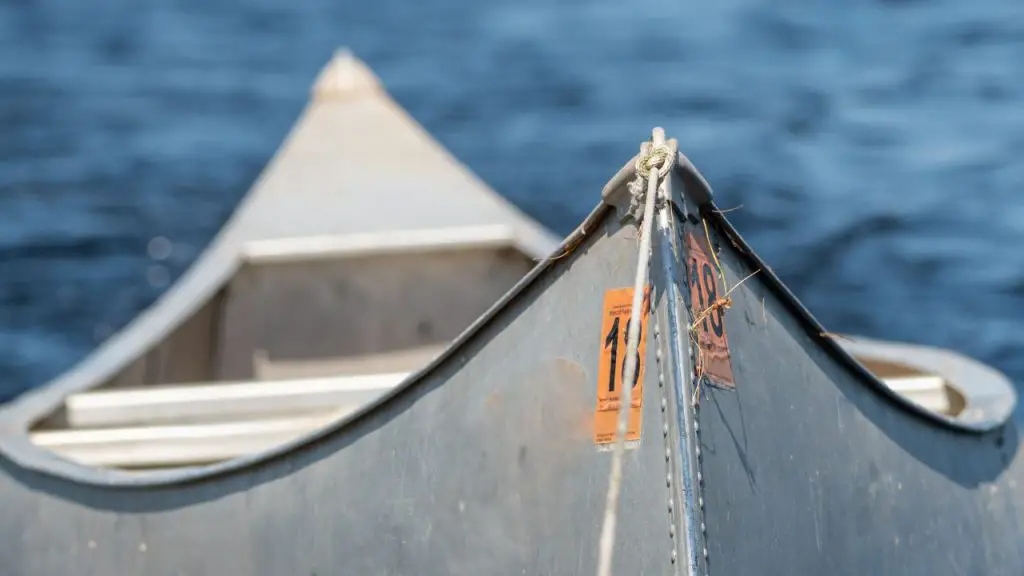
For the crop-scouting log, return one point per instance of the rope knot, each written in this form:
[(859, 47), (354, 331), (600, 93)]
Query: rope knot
[(659, 157)]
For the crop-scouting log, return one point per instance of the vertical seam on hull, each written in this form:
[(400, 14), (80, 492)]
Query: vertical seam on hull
[(666, 442), (690, 511), (695, 408), (693, 413)]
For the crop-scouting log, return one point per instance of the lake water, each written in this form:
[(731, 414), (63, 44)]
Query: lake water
[(876, 148)]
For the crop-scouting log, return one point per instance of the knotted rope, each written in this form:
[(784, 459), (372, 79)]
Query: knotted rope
[(655, 162), (652, 164)]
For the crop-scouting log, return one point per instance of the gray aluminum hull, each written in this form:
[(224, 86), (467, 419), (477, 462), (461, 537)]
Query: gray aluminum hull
[(484, 462)]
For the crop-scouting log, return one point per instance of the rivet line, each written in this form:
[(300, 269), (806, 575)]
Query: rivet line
[(665, 436)]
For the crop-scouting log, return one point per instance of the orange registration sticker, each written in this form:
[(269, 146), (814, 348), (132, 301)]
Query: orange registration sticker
[(713, 344), (615, 317)]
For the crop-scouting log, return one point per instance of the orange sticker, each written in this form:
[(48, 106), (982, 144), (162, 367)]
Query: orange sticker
[(713, 361), (615, 316)]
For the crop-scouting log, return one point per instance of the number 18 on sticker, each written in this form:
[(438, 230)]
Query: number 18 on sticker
[(611, 375)]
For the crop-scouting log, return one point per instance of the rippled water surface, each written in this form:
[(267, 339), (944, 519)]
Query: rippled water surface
[(876, 148)]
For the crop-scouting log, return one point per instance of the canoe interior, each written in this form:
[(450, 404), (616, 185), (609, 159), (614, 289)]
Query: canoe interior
[(306, 318), (937, 394), (330, 309)]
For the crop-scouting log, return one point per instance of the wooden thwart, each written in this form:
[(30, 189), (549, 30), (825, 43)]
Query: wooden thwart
[(184, 445), (186, 404), (926, 391)]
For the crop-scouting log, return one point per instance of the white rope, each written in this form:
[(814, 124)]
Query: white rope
[(654, 163)]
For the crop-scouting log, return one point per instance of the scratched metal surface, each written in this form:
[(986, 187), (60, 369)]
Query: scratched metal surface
[(486, 465), (808, 469)]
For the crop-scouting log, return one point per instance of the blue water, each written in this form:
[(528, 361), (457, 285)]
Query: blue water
[(876, 148)]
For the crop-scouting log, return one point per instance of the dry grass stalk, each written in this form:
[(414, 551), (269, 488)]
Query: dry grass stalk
[(723, 303)]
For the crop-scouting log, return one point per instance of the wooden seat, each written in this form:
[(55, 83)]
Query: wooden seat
[(180, 445)]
